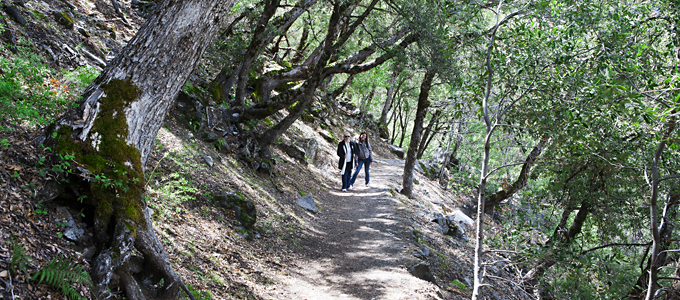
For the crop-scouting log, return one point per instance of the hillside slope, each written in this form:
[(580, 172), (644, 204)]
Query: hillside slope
[(359, 245)]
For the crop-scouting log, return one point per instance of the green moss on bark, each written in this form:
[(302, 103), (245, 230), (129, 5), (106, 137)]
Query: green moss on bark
[(116, 175)]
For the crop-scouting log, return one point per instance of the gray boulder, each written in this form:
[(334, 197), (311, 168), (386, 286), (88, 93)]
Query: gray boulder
[(209, 160), (399, 152), (312, 147), (14, 14), (307, 203), (294, 151), (71, 231), (448, 226), (428, 168), (422, 271), (327, 136), (209, 136)]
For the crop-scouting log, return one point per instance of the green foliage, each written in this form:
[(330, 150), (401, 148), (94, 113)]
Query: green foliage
[(458, 284), (19, 260), (4, 142), (39, 209), (62, 273), (199, 295), (80, 78), (220, 143), (172, 190), (28, 92), (598, 277)]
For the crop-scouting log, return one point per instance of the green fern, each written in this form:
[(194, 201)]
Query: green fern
[(19, 260), (61, 273)]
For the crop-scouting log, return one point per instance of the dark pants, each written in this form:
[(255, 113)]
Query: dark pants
[(367, 163), (347, 175)]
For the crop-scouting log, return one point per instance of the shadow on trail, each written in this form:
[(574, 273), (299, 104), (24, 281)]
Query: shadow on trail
[(360, 244)]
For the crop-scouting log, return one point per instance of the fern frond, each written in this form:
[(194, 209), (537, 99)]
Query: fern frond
[(62, 273), (19, 260)]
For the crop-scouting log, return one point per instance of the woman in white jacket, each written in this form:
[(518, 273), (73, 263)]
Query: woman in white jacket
[(346, 153)]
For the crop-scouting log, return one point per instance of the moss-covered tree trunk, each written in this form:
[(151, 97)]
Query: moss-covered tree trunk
[(113, 130)]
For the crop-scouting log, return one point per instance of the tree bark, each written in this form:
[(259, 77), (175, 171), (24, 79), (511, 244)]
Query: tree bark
[(112, 131), (661, 231), (522, 179), (306, 92), (366, 101), (393, 137), (423, 104), (388, 97), (427, 134), (256, 43)]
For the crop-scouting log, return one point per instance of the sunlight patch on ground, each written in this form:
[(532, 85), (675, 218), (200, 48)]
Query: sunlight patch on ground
[(170, 140), (378, 219)]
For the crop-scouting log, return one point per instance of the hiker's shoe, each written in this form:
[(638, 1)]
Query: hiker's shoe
[(368, 185), (350, 187), (344, 190)]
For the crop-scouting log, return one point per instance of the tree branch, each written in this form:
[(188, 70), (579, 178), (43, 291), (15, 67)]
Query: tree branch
[(616, 245)]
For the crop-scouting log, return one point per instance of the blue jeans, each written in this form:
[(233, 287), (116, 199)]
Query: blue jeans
[(366, 170), (347, 176)]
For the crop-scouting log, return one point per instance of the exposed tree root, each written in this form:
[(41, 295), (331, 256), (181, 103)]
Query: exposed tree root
[(114, 262)]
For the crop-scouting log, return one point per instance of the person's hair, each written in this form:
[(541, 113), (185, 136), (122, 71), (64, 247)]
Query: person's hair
[(363, 132), (347, 134)]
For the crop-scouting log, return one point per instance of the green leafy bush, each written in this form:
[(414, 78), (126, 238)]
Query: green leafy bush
[(28, 94)]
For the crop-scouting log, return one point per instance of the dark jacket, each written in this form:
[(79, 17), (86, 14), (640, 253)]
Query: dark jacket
[(365, 149), (341, 152)]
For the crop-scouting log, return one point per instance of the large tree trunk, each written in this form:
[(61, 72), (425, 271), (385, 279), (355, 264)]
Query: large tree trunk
[(113, 130), (423, 104)]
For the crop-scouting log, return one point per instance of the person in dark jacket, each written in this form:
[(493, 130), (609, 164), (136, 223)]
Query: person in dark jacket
[(364, 157), (346, 153)]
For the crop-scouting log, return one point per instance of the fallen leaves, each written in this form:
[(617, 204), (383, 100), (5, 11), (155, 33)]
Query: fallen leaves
[(12, 167)]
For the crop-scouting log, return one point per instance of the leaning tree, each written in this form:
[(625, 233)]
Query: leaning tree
[(111, 132)]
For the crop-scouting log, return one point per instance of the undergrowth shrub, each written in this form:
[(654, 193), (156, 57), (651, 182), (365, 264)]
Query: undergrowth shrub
[(169, 195), (62, 274), (32, 94), (19, 260), (199, 295), (79, 78)]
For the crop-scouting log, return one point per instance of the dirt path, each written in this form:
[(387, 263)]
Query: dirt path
[(360, 247)]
